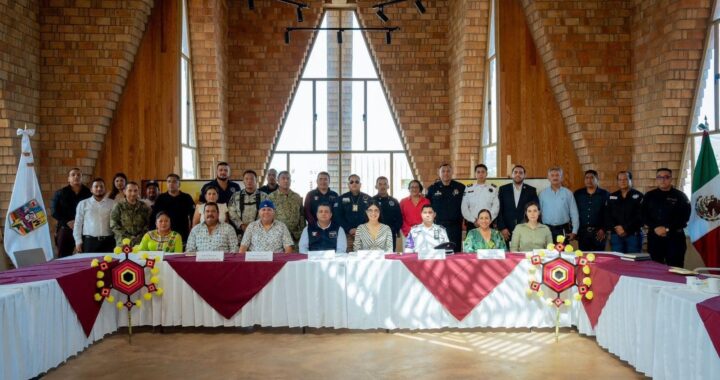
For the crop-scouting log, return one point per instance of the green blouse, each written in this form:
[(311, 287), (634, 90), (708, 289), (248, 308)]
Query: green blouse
[(152, 241), (526, 239), (475, 241)]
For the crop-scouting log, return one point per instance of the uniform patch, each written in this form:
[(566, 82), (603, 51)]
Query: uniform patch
[(636, 196), (456, 192), (438, 193), (317, 198), (615, 196), (314, 233), (346, 200), (332, 234), (391, 203)]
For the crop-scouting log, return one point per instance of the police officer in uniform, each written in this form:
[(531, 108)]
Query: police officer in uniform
[(321, 194), (480, 196), (324, 234), (426, 235), (390, 213), (446, 196), (349, 209), (666, 211)]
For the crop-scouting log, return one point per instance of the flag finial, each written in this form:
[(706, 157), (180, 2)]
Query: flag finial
[(704, 126)]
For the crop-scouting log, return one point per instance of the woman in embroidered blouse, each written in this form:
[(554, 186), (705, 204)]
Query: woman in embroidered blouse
[(483, 237), (162, 238), (211, 195), (411, 206), (373, 235)]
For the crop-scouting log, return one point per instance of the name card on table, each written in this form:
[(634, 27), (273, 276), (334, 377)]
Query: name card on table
[(491, 254), (321, 255), (210, 256), (370, 255), (432, 254), (259, 256)]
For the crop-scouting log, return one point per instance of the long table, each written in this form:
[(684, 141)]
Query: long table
[(40, 326)]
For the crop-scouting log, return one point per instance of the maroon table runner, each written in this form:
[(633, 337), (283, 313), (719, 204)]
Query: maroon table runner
[(227, 286), (709, 311), (461, 281), (76, 279), (606, 272)]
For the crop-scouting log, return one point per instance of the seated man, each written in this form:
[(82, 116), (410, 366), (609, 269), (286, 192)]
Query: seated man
[(266, 234), (212, 235), (428, 235), (323, 235)]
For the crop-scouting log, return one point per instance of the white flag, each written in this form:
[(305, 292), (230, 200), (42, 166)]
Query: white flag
[(26, 223)]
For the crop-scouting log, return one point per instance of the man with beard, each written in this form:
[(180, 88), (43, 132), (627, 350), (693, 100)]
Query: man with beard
[(152, 190), (92, 231), (223, 183), (179, 206), (64, 205), (212, 235), (513, 197)]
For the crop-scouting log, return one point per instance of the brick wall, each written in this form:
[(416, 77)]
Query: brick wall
[(668, 38), (87, 49), (208, 46), (585, 46)]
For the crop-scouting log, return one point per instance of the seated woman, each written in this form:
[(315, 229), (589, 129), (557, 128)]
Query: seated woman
[(212, 194), (162, 238), (483, 237), (531, 234), (373, 235)]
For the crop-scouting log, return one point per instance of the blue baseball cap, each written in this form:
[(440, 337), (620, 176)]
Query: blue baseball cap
[(266, 203)]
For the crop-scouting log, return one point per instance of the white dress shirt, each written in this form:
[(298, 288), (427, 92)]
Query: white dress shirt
[(92, 218)]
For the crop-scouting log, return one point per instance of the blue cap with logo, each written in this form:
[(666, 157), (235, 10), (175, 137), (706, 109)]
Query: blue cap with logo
[(266, 203)]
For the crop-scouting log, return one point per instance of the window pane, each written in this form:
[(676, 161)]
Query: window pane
[(192, 136), (490, 160), (304, 169), (493, 102), (358, 114), (297, 131), (362, 65), (321, 111), (316, 66), (491, 38), (185, 35), (402, 175), (705, 101), (382, 133), (183, 101), (278, 162), (189, 160), (369, 166)]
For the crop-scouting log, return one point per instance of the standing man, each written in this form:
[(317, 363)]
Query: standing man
[(349, 209), (243, 205), (223, 183), (272, 183), (666, 211), (558, 207), (288, 207), (324, 234), (390, 213), (446, 196), (591, 201), (321, 194), (64, 205), (623, 216), (129, 217), (177, 205), (152, 190), (479, 196), (92, 231), (512, 198)]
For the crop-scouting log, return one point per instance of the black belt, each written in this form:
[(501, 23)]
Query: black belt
[(99, 238), (559, 225)]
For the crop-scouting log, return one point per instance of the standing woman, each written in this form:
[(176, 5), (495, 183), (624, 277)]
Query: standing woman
[(531, 234), (373, 235), (118, 190), (411, 207), (483, 237), (162, 238), (212, 194)]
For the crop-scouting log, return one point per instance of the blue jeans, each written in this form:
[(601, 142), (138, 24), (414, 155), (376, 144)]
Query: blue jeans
[(628, 244)]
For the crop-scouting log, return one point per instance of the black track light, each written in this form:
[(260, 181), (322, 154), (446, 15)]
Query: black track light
[(388, 38), (420, 7), (339, 36), (299, 14), (381, 14), (251, 4), (287, 37)]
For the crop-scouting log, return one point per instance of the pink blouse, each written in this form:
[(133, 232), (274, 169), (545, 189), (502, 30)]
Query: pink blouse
[(411, 213)]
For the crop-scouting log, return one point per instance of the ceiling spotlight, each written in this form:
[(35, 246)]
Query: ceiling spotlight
[(299, 14), (339, 36), (419, 6), (251, 4), (388, 38), (381, 14), (287, 37)]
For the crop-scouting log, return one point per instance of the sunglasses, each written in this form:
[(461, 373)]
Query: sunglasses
[(352, 181)]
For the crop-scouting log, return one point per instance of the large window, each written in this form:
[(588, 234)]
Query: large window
[(706, 105), (490, 116), (339, 120), (188, 139)]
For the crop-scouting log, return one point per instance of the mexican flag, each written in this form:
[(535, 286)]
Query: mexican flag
[(704, 226)]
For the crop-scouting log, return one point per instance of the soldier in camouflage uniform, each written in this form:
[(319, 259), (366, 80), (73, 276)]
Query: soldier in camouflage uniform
[(288, 207), (129, 217)]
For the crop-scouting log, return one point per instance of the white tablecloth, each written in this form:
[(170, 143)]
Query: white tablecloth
[(13, 325)]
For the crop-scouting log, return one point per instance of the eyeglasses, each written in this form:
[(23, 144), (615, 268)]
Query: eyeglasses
[(352, 181), (663, 177)]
